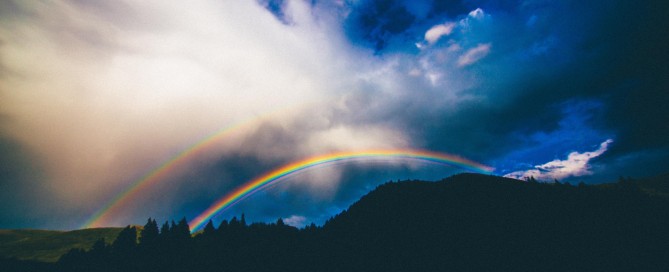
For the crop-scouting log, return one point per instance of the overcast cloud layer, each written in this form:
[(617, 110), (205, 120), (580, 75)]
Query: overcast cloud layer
[(95, 95)]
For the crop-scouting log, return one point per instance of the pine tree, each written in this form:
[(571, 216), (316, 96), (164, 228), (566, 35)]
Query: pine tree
[(223, 225), (182, 230), (126, 240), (165, 229), (149, 234), (234, 223), (173, 227), (243, 220), (209, 229)]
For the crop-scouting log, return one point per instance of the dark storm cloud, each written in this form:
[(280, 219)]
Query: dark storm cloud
[(637, 77), (614, 56), (561, 53)]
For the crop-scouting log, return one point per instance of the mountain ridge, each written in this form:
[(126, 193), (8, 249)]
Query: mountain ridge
[(463, 222)]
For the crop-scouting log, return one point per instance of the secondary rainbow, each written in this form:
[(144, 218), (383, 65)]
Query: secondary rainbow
[(114, 205), (278, 174)]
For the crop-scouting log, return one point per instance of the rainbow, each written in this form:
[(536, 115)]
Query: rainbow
[(114, 205), (278, 174)]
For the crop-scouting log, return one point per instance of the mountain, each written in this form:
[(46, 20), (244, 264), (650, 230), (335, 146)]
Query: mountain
[(49, 245), (478, 222), (467, 222)]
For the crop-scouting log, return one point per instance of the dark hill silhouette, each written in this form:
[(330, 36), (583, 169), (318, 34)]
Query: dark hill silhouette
[(658, 185), (467, 222), (479, 222)]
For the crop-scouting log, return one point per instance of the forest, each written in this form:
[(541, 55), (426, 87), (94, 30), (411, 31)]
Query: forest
[(467, 222)]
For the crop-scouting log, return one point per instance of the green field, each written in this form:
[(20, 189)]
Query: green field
[(49, 245)]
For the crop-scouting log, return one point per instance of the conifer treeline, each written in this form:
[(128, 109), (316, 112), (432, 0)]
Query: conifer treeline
[(233, 246), (463, 223)]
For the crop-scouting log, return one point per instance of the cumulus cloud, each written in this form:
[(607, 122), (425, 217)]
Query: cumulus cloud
[(576, 165), (296, 221), (436, 32), (477, 14)]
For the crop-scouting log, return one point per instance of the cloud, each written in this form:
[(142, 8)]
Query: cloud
[(96, 94), (476, 14), (297, 221), (474, 54), (275, 7), (101, 99), (575, 165), (436, 32), (473, 19)]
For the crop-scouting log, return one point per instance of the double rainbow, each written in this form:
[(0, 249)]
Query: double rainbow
[(278, 174), (113, 206)]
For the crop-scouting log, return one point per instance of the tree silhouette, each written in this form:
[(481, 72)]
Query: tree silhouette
[(149, 234), (209, 229), (243, 220), (126, 240), (181, 231), (165, 229)]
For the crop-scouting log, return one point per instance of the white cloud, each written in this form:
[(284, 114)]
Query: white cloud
[(473, 18), (477, 14), (436, 32), (297, 221), (474, 54), (575, 165)]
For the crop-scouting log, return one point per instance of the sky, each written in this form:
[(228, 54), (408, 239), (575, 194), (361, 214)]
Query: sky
[(95, 95)]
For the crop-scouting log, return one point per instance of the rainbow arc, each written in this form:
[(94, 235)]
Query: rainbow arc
[(280, 173)]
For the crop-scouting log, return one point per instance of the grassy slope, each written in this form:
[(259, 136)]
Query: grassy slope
[(48, 245)]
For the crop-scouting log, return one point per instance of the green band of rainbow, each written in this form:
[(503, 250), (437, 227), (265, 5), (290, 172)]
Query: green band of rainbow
[(277, 174)]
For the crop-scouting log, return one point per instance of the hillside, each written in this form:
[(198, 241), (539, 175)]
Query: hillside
[(49, 245), (480, 222), (658, 185), (467, 222)]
